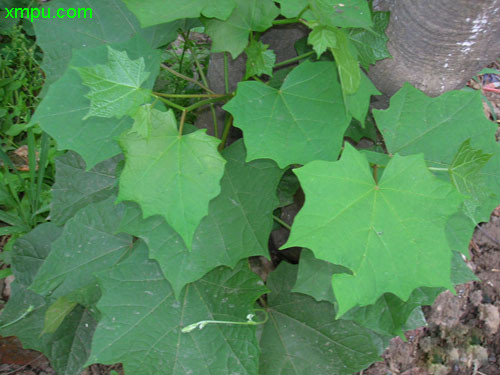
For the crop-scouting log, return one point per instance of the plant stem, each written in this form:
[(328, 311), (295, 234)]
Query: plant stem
[(181, 60), (226, 73), (205, 82), (188, 95), (207, 101), (286, 21), (438, 169), (375, 177), (225, 133), (293, 59), (189, 79), (202, 323), (181, 124), (281, 222), (170, 103)]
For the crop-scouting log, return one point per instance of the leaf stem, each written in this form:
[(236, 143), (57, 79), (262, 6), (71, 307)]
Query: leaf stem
[(293, 59), (375, 177), (225, 133), (181, 124), (28, 310), (189, 79), (188, 95), (281, 222), (438, 169), (226, 73), (207, 101), (170, 103), (250, 322), (286, 21)]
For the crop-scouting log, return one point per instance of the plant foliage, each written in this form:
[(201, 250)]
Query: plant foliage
[(145, 258)]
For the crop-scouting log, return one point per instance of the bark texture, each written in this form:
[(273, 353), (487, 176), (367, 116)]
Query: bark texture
[(437, 45)]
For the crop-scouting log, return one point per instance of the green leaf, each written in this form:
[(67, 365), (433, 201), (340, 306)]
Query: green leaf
[(371, 45), (302, 337), (416, 123), (144, 117), (29, 251), (76, 187), (322, 37), (115, 87), (232, 34), (314, 277), (88, 244), (342, 13), (57, 37), (359, 102), (356, 132), (379, 230), (349, 71), (138, 306), (464, 173), (158, 11), (69, 346), (297, 123), (170, 175), (61, 112), (291, 8), (237, 226), (56, 313), (260, 60)]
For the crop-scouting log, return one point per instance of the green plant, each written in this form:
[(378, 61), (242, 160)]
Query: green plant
[(153, 221)]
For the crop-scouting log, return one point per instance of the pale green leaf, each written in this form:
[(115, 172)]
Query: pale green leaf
[(342, 13), (297, 123), (322, 37), (89, 243), (347, 64), (76, 187), (138, 306), (61, 111), (379, 231), (359, 102), (57, 37), (144, 117), (170, 175), (302, 336), (231, 35), (416, 123), (291, 8), (158, 11), (115, 88), (260, 60), (371, 45), (237, 226)]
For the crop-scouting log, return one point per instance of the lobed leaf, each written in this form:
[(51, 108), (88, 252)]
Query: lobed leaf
[(171, 175)]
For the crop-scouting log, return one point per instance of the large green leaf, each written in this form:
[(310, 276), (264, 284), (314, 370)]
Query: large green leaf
[(297, 123), (171, 175), (237, 226), (342, 13), (88, 244), (76, 187), (359, 102), (231, 35), (372, 45), (69, 346), (59, 36), (139, 307), (379, 230), (417, 123), (389, 315), (115, 87), (62, 110), (302, 336), (154, 12)]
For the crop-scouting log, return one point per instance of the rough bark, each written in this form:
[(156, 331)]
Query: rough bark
[(437, 45)]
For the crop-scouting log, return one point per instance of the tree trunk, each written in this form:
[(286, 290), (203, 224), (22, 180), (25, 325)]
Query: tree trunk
[(437, 45)]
